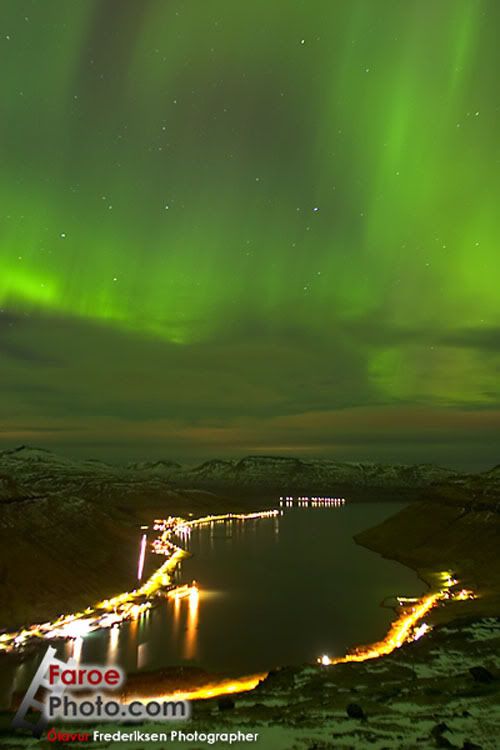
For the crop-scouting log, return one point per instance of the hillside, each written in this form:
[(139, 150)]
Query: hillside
[(456, 528), (69, 529)]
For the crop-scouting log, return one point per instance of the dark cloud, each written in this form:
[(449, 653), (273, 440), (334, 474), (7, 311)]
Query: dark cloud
[(16, 340), (375, 331), (253, 390), (485, 339), (89, 369)]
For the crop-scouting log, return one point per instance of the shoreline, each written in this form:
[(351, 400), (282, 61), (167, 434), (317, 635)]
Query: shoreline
[(431, 555), (199, 687), (402, 629), (128, 605)]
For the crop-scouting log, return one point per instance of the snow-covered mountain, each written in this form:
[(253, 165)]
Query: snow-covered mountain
[(155, 467), (39, 470), (313, 475)]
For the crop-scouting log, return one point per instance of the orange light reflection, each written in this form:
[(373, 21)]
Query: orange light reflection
[(190, 644)]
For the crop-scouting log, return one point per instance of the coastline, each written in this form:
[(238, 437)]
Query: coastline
[(384, 539), (432, 675), (129, 604), (405, 538), (60, 552)]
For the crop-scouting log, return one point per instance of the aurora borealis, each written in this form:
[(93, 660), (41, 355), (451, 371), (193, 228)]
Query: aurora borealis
[(229, 228)]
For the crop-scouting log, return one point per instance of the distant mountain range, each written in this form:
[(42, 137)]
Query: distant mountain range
[(289, 475), (34, 470)]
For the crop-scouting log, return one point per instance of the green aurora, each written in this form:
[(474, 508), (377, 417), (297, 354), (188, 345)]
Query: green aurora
[(233, 227)]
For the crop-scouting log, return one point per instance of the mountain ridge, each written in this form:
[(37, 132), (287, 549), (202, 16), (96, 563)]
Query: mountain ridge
[(30, 470), (39, 467)]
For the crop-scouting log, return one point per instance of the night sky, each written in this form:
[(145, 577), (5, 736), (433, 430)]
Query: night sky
[(251, 227)]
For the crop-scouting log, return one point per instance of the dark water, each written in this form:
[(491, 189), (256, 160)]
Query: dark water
[(272, 591)]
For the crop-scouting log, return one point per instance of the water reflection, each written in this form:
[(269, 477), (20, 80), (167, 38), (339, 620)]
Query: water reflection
[(114, 637), (77, 649), (190, 644), (177, 614), (143, 655)]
